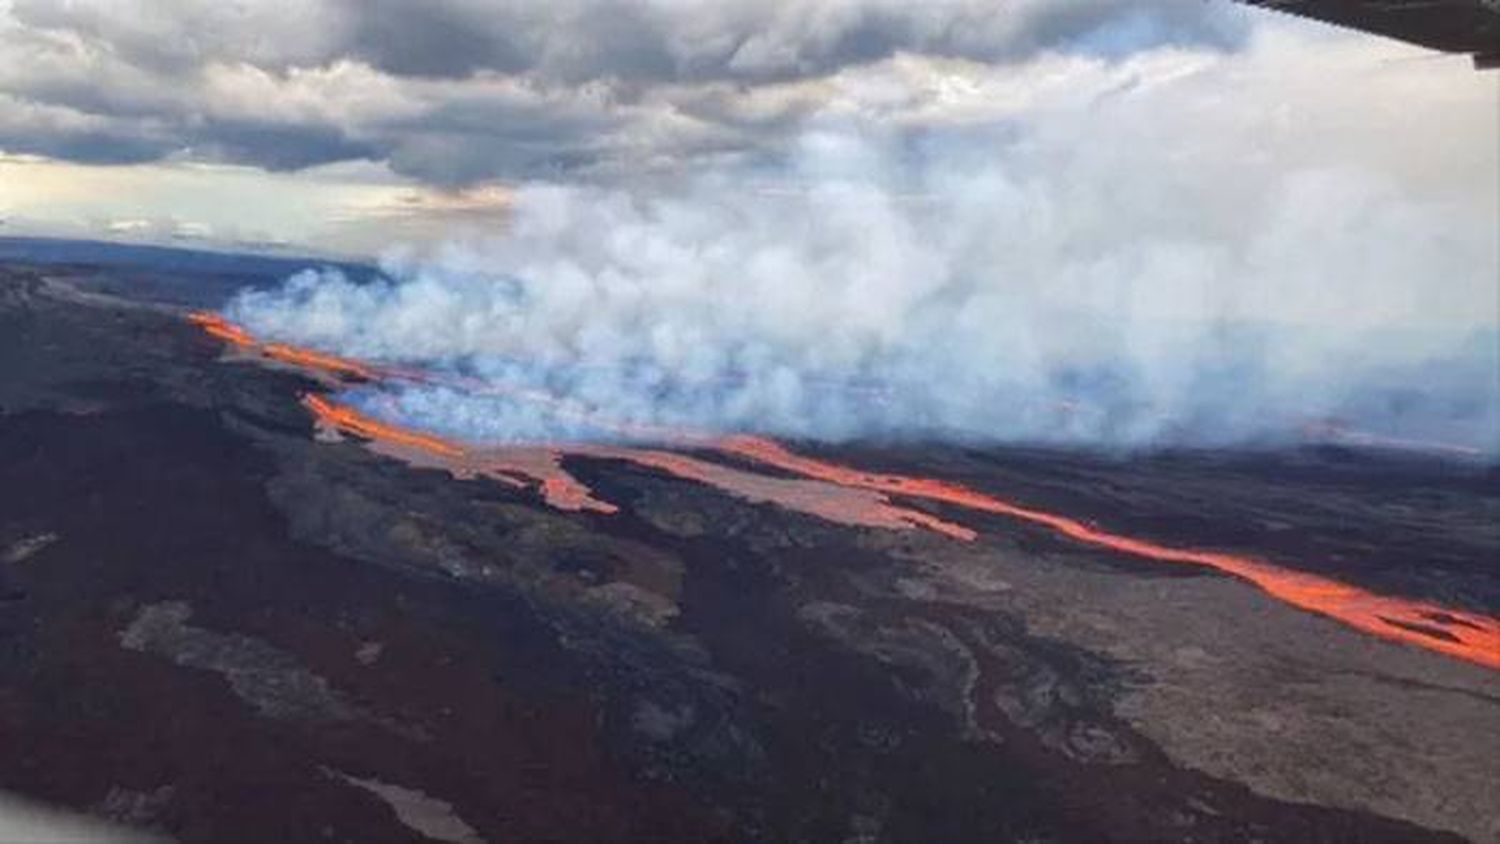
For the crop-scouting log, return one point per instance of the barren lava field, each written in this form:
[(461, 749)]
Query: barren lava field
[(234, 609)]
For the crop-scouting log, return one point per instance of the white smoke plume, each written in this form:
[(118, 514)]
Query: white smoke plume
[(1163, 262)]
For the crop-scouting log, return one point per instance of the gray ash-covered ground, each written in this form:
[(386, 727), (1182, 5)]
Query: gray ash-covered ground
[(216, 628)]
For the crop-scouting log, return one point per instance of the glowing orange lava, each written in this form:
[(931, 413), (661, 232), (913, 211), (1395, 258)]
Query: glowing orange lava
[(222, 328), (851, 496), (316, 360), (351, 421), (833, 502), (227, 331), (516, 467), (1467, 636), (521, 465)]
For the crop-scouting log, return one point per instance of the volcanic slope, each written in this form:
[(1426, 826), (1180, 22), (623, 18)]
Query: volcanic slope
[(220, 626)]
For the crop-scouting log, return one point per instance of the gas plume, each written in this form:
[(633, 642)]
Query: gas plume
[(1036, 293), (1179, 247)]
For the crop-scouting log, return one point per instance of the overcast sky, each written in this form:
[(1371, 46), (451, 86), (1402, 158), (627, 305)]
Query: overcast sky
[(344, 125)]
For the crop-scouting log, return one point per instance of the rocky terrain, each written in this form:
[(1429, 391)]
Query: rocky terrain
[(217, 626)]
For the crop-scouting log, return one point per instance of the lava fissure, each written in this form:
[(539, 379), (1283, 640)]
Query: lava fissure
[(1474, 637), (847, 495), (312, 359)]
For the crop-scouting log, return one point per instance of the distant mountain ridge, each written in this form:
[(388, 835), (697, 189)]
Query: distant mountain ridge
[(183, 276), (51, 250)]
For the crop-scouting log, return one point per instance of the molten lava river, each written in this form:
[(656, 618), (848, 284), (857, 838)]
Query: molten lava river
[(837, 493)]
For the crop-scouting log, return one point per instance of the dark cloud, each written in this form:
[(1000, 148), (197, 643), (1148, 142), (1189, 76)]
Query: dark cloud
[(280, 147), (746, 40), (433, 40), (453, 91), (85, 147), (34, 129), (451, 160)]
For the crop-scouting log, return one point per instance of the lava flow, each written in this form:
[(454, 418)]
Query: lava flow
[(512, 466), (850, 496), (1467, 636), (227, 331), (348, 420), (223, 329), (832, 502)]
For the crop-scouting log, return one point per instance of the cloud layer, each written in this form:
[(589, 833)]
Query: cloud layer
[(458, 91)]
